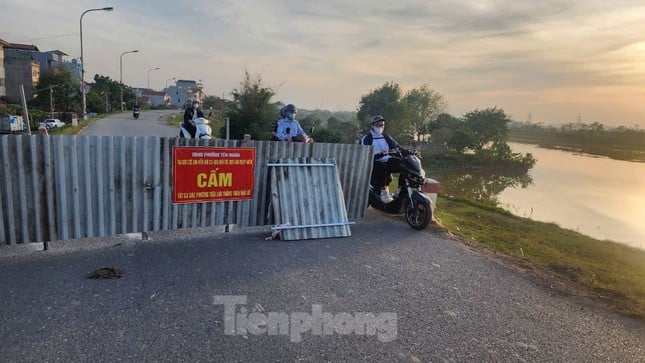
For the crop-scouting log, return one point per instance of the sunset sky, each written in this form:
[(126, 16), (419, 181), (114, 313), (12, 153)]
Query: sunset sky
[(547, 61)]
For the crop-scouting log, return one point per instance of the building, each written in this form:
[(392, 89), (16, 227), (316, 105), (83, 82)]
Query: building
[(155, 98), (20, 69), (48, 60), (54, 58), (184, 91), (17, 61), (3, 89)]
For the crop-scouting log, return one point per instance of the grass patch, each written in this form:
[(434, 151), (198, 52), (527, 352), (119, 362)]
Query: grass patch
[(68, 129), (611, 270), (176, 119)]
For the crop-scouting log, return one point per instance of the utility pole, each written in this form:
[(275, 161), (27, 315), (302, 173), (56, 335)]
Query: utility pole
[(51, 101), (25, 112)]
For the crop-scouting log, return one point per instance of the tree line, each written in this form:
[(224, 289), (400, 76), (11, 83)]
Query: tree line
[(413, 116), (621, 143), (58, 92)]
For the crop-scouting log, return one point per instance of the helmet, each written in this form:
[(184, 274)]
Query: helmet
[(283, 112), (290, 108), (376, 119)]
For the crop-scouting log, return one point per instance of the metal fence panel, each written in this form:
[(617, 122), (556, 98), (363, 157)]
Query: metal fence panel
[(307, 199), (69, 187)]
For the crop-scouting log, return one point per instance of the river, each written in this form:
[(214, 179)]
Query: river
[(596, 196)]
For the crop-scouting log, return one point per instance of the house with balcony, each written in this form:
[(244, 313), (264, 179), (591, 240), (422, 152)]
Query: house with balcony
[(55, 58), (184, 91), (20, 68)]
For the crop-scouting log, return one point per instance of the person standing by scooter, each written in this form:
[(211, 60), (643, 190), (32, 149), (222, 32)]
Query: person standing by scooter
[(384, 162)]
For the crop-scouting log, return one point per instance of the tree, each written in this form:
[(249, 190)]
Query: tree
[(348, 131), (488, 125), (460, 140), (326, 135), (254, 111), (422, 106), (310, 123), (106, 88), (216, 108), (57, 89), (96, 102), (385, 101), (445, 120)]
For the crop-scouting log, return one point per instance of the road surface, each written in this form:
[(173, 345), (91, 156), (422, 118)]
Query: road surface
[(149, 123), (388, 293)]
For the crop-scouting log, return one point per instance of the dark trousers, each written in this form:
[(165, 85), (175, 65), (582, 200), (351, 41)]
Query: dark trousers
[(382, 172)]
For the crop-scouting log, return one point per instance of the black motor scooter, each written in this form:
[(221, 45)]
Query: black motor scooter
[(135, 113), (416, 196)]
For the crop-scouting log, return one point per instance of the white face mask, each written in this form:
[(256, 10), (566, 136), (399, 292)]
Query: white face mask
[(379, 130)]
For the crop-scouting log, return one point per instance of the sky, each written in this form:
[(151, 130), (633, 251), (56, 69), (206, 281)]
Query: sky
[(543, 61)]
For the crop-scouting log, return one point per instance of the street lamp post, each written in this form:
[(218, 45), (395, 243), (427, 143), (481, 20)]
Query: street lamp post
[(121, 73), (110, 8), (173, 78), (150, 70)]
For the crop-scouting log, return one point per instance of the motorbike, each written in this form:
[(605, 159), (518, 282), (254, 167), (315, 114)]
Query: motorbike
[(416, 195), (135, 114), (203, 131)]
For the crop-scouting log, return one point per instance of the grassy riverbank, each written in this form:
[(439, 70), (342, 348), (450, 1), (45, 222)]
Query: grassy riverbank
[(628, 145), (611, 273)]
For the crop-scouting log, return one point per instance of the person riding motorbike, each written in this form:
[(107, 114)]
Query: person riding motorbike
[(188, 127), (135, 111), (289, 128), (384, 162), (194, 112)]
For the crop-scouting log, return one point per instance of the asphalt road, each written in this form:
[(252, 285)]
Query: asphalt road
[(431, 298), (149, 123)]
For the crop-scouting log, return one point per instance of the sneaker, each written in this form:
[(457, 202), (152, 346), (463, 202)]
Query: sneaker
[(385, 196)]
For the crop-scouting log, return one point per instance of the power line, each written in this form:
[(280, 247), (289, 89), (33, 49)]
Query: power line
[(53, 36)]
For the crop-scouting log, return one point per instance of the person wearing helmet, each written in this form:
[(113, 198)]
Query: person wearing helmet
[(273, 134), (188, 128), (289, 128), (193, 112), (384, 162)]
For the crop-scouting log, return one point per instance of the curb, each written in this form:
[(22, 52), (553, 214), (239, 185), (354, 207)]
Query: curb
[(128, 239)]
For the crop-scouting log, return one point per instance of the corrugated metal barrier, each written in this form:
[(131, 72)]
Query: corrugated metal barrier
[(307, 199), (70, 187)]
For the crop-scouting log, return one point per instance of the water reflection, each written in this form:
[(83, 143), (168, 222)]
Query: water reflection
[(599, 197), (482, 185)]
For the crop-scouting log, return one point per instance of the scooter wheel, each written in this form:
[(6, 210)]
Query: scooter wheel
[(418, 215)]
